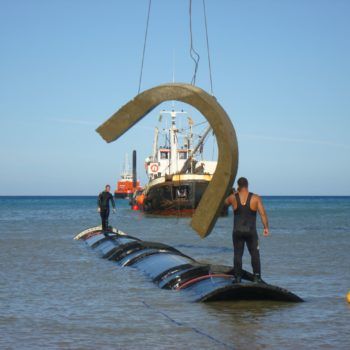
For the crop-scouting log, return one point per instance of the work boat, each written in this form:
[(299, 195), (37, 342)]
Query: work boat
[(128, 183), (178, 176)]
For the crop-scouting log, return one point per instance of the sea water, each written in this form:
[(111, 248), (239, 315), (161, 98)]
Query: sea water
[(56, 293)]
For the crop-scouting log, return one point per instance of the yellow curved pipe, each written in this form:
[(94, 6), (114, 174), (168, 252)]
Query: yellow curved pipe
[(210, 206)]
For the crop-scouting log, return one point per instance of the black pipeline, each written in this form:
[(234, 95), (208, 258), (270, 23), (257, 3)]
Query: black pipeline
[(171, 269)]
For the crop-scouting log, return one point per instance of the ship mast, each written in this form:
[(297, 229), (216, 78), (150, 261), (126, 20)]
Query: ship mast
[(126, 171), (173, 140), (173, 143), (155, 145)]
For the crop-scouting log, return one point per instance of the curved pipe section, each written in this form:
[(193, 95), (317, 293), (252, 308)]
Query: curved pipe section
[(210, 206), (171, 269)]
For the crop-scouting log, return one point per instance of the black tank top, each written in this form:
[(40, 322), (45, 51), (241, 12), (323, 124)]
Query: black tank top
[(244, 217)]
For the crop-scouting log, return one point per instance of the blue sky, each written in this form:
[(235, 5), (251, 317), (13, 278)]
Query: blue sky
[(280, 69)]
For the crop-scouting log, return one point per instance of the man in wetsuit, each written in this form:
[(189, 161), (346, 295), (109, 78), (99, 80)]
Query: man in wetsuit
[(245, 206), (103, 206)]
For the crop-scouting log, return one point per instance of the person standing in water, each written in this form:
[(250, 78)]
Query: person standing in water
[(245, 205), (103, 206)]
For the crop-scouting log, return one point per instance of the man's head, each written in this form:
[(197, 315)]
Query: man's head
[(108, 188), (242, 182)]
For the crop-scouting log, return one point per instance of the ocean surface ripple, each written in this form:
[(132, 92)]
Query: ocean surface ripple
[(55, 293)]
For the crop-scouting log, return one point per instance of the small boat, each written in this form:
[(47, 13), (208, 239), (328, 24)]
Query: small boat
[(177, 175), (128, 183), (171, 269)]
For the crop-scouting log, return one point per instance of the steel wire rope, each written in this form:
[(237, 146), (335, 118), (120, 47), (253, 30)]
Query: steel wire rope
[(209, 60), (144, 45), (193, 53), (201, 123), (208, 49)]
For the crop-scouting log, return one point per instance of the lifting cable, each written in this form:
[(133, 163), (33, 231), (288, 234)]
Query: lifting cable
[(144, 45), (193, 53), (208, 50)]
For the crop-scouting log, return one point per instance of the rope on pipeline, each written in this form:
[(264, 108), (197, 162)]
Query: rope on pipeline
[(194, 329), (200, 278)]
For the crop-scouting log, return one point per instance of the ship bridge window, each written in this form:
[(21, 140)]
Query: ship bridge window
[(182, 155), (164, 155), (182, 192)]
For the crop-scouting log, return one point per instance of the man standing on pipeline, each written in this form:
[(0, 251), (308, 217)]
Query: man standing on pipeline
[(103, 206), (245, 205)]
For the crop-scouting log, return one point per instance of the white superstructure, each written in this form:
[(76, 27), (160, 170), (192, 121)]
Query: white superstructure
[(177, 151)]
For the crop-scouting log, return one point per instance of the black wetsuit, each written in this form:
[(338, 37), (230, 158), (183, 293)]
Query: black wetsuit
[(103, 203), (244, 231)]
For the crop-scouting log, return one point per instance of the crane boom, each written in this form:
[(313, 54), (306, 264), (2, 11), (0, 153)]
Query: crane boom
[(187, 164)]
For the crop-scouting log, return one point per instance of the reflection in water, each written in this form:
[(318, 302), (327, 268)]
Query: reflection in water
[(249, 318)]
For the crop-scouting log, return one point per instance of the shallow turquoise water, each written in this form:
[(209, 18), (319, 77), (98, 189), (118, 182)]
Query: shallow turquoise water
[(56, 293)]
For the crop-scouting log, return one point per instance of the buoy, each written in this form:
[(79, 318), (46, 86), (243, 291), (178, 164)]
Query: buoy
[(140, 199), (135, 207), (348, 297)]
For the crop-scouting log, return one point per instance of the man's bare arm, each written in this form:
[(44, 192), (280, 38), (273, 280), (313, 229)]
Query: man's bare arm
[(263, 216), (229, 200)]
